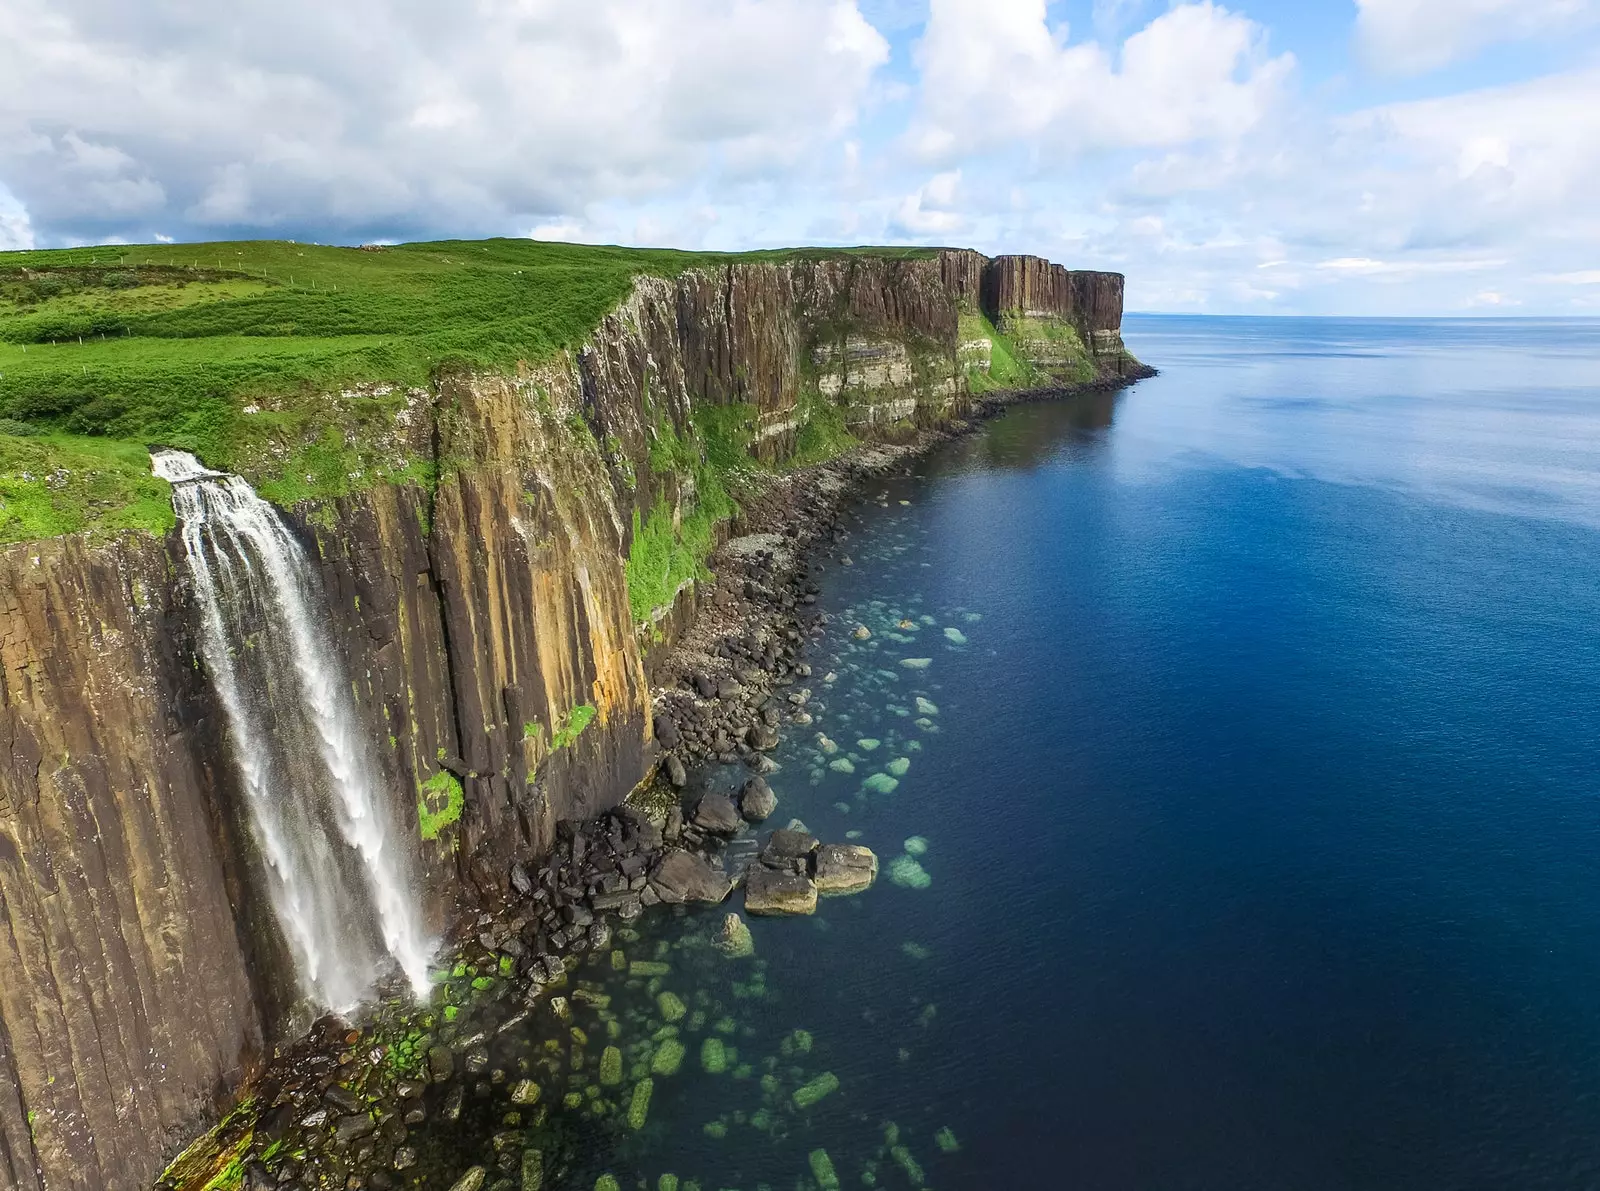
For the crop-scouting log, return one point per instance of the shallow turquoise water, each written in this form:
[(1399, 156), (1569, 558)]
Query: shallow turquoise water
[(1253, 790)]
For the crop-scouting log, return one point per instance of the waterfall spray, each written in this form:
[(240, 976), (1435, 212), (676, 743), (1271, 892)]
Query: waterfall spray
[(337, 878)]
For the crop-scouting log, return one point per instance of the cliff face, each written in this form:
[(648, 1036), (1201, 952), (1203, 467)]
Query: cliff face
[(125, 1001), (494, 625)]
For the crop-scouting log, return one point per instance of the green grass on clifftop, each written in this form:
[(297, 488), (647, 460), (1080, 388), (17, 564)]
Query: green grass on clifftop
[(249, 354)]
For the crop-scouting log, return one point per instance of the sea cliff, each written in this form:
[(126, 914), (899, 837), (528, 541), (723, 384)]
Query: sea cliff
[(496, 597)]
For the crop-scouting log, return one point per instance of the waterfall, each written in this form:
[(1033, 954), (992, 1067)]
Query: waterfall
[(337, 878)]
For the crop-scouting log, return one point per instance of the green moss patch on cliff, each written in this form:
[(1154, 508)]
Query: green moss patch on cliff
[(439, 804), (822, 435), (570, 726), (1054, 349), (1005, 370), (670, 546), (59, 484)]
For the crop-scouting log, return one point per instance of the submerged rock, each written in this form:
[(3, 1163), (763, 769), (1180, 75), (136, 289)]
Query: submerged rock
[(525, 1092), (881, 783), (769, 892), (713, 1056), (908, 874), (735, 940), (668, 1058), (809, 1093), (916, 846), (844, 869), (822, 1170), (639, 1105), (532, 1170), (471, 1181)]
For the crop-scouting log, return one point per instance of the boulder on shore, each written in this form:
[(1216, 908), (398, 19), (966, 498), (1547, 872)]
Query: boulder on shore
[(717, 814), (684, 877), (845, 868), (757, 801), (788, 844), (769, 892)]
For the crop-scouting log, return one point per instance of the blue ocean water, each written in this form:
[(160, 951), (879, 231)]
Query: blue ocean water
[(1232, 746), (1265, 828)]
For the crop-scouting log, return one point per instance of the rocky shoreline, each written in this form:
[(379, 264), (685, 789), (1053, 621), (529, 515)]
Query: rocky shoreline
[(337, 1109)]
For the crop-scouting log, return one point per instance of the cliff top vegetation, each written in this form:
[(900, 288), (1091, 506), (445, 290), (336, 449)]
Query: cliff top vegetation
[(107, 350)]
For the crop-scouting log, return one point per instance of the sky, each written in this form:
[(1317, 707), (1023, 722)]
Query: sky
[(1357, 157)]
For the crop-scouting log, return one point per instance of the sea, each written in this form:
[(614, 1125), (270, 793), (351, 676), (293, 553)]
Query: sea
[(1231, 747)]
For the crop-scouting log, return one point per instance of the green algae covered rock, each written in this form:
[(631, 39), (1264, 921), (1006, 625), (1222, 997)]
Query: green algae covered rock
[(639, 1105), (817, 1089), (905, 872), (735, 941), (668, 1058), (611, 1066), (797, 1043), (716, 1129), (532, 1170), (880, 783), (671, 1006), (713, 1056), (822, 1170), (899, 767), (945, 1139), (667, 1182), (649, 967), (471, 1181), (907, 1163), (916, 846), (607, 1182), (525, 1091)]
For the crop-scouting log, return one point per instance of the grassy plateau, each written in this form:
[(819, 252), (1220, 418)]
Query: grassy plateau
[(267, 357)]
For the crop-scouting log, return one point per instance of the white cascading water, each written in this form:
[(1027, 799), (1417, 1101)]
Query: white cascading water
[(338, 881)]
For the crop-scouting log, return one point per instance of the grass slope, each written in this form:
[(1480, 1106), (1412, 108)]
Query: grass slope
[(172, 344)]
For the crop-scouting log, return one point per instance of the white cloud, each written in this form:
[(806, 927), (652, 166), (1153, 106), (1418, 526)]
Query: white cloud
[(994, 70), (16, 230), (377, 116), (1410, 36), (931, 210)]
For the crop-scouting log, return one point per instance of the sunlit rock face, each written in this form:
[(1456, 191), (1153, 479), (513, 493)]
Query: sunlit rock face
[(493, 651)]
